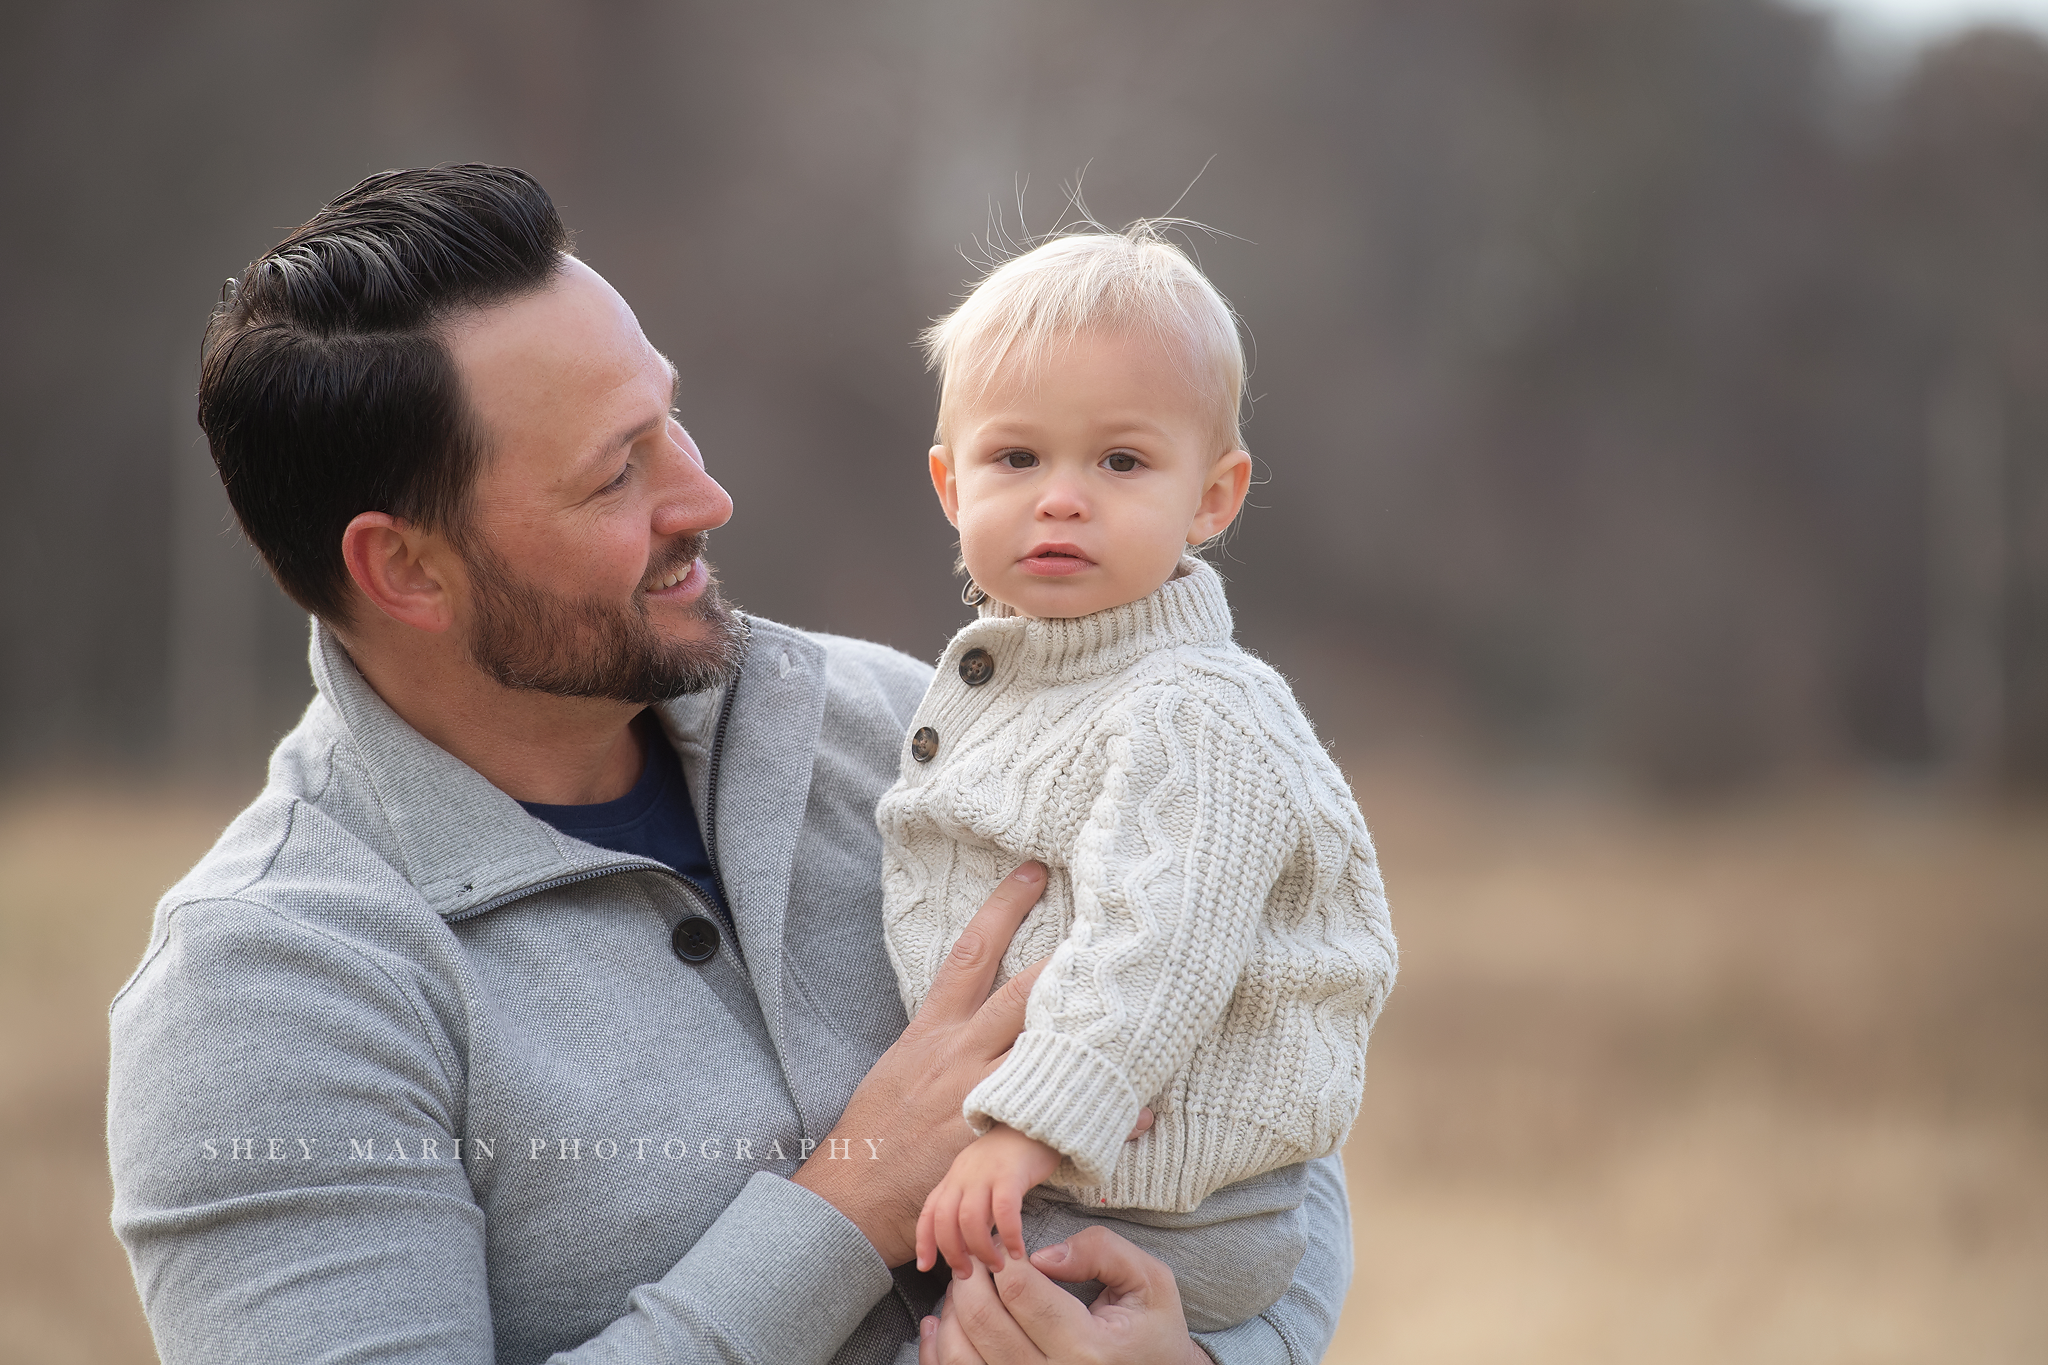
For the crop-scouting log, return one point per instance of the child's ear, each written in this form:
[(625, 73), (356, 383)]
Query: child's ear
[(943, 484), (1222, 496)]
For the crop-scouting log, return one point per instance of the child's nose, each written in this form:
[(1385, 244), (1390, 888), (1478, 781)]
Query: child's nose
[(1062, 499)]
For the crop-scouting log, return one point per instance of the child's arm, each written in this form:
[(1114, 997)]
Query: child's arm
[(984, 1187), (1170, 871)]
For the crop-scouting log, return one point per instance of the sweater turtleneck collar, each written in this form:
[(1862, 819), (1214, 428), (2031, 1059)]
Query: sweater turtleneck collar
[(1188, 609)]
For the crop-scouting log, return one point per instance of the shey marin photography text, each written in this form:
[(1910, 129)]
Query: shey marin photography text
[(553, 1147)]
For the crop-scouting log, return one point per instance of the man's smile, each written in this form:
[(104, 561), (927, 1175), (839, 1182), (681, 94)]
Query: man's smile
[(682, 582), (679, 572)]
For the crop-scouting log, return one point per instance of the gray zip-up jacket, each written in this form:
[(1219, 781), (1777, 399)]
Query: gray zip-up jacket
[(408, 1075)]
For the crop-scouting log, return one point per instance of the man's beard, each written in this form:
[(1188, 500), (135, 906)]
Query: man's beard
[(528, 638)]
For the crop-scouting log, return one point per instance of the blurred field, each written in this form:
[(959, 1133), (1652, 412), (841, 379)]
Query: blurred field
[(1757, 1084)]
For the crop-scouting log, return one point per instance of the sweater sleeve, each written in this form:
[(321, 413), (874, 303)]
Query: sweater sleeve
[(1170, 873)]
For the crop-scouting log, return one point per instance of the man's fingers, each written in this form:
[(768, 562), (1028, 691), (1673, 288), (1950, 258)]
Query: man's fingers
[(949, 1343), (1042, 1321), (963, 979), (997, 1024), (979, 1309), (1139, 1128), (1096, 1253)]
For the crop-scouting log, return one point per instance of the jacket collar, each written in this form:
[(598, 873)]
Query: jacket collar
[(468, 847), (460, 841)]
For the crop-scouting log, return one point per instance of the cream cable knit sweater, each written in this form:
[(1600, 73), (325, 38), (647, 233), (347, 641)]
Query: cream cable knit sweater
[(1219, 937)]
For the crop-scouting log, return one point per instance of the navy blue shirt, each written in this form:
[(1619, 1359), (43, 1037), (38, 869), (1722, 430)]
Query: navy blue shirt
[(654, 820)]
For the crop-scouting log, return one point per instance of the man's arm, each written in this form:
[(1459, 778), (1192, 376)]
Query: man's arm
[(262, 1068), (247, 1028)]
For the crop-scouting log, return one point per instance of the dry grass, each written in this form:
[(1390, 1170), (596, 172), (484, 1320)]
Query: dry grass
[(79, 876), (1759, 1085), (1766, 1084)]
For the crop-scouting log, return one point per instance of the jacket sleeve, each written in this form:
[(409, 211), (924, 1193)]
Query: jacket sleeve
[(1297, 1330), (258, 1234), (1170, 873)]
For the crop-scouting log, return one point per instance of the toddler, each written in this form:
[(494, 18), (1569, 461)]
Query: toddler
[(1218, 936)]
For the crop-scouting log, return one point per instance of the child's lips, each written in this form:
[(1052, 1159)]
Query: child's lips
[(1055, 561)]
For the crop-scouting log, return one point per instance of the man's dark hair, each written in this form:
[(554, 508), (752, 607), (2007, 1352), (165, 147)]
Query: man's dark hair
[(325, 388)]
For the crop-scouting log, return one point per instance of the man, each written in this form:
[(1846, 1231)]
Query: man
[(538, 1006)]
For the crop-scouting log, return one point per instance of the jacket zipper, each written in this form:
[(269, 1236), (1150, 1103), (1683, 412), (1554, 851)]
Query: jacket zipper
[(732, 691), (711, 766)]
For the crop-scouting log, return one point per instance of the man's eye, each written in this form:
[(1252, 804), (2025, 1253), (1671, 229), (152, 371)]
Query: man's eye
[(1020, 459), (619, 482), (1120, 461)]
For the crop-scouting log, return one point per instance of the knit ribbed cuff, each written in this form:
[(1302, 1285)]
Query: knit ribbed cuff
[(1065, 1094)]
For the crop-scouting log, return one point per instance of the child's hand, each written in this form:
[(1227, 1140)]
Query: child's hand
[(985, 1187)]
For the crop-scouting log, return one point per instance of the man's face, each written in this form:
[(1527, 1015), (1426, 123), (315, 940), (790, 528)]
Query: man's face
[(583, 543)]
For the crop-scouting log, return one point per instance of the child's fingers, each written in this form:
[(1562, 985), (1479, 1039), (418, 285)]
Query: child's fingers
[(946, 1228), (976, 1218), (927, 1236), (1009, 1220)]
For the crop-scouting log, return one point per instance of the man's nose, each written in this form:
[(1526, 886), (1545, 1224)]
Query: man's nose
[(691, 500)]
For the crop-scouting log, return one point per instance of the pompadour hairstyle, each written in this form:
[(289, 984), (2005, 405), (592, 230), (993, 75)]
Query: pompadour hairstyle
[(1090, 279), (325, 387)]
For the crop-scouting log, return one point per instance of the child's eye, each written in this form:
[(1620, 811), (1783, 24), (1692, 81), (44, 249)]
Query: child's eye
[(1120, 461), (1019, 459)]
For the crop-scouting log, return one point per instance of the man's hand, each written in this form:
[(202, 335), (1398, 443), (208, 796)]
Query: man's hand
[(1017, 1316), (911, 1099), (983, 1187)]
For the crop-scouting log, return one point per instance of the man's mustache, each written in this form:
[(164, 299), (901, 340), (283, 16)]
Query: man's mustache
[(676, 555)]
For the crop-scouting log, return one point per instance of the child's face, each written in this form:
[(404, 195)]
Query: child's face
[(1080, 491)]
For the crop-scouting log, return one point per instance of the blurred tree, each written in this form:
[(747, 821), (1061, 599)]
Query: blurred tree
[(1600, 376), (1959, 198)]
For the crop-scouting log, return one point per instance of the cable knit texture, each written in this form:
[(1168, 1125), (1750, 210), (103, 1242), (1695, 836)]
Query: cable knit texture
[(1218, 932)]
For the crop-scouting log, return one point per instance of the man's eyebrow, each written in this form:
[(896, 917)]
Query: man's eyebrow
[(632, 434)]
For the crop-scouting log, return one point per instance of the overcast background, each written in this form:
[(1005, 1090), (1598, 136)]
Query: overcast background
[(1640, 387)]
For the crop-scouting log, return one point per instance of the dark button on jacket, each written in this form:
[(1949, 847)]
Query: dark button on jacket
[(695, 940), (924, 744)]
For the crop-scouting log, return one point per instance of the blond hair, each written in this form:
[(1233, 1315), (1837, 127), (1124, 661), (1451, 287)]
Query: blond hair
[(1026, 308)]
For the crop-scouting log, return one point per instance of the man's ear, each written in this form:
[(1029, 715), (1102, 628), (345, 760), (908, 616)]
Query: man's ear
[(399, 567), (1222, 496), (944, 485)]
